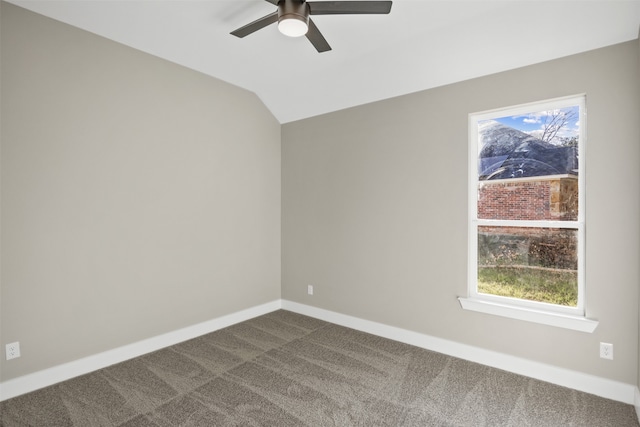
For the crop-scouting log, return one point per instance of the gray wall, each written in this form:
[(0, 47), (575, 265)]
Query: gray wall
[(375, 211), (138, 197)]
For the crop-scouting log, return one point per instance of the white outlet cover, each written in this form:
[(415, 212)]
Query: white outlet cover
[(606, 350), (12, 350)]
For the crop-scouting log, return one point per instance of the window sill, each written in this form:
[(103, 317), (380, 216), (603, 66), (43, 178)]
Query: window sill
[(576, 323)]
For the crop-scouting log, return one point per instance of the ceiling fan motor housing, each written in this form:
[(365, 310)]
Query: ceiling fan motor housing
[(292, 9)]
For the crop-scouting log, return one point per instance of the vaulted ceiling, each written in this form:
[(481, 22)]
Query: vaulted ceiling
[(419, 45)]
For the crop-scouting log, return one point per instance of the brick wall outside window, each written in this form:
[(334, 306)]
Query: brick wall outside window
[(541, 198)]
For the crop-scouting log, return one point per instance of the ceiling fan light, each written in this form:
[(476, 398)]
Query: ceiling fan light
[(293, 26)]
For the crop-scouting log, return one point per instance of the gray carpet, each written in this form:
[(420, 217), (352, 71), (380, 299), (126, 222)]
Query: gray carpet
[(284, 369)]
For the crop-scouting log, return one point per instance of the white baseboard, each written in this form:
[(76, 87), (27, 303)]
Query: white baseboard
[(603, 387), (56, 374)]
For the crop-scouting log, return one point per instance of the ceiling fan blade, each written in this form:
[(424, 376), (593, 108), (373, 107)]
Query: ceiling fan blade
[(316, 38), (348, 7), (273, 1), (256, 25)]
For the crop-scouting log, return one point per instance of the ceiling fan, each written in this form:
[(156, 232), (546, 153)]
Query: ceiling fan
[(293, 18)]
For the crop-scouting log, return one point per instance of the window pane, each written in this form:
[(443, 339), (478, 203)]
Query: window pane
[(535, 264), (528, 166)]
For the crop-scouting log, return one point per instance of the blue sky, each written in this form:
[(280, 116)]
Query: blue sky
[(533, 123)]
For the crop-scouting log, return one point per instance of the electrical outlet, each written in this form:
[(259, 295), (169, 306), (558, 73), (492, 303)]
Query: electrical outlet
[(606, 350), (310, 289), (13, 350)]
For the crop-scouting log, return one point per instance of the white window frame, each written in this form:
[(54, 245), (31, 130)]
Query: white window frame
[(533, 311)]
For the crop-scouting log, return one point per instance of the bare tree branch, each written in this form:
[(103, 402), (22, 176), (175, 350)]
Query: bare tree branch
[(555, 121)]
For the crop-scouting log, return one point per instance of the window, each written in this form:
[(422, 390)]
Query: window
[(526, 213)]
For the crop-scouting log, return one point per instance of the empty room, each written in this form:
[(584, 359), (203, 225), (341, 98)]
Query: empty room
[(267, 212)]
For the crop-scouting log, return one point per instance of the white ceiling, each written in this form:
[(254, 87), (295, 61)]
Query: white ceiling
[(419, 45)]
